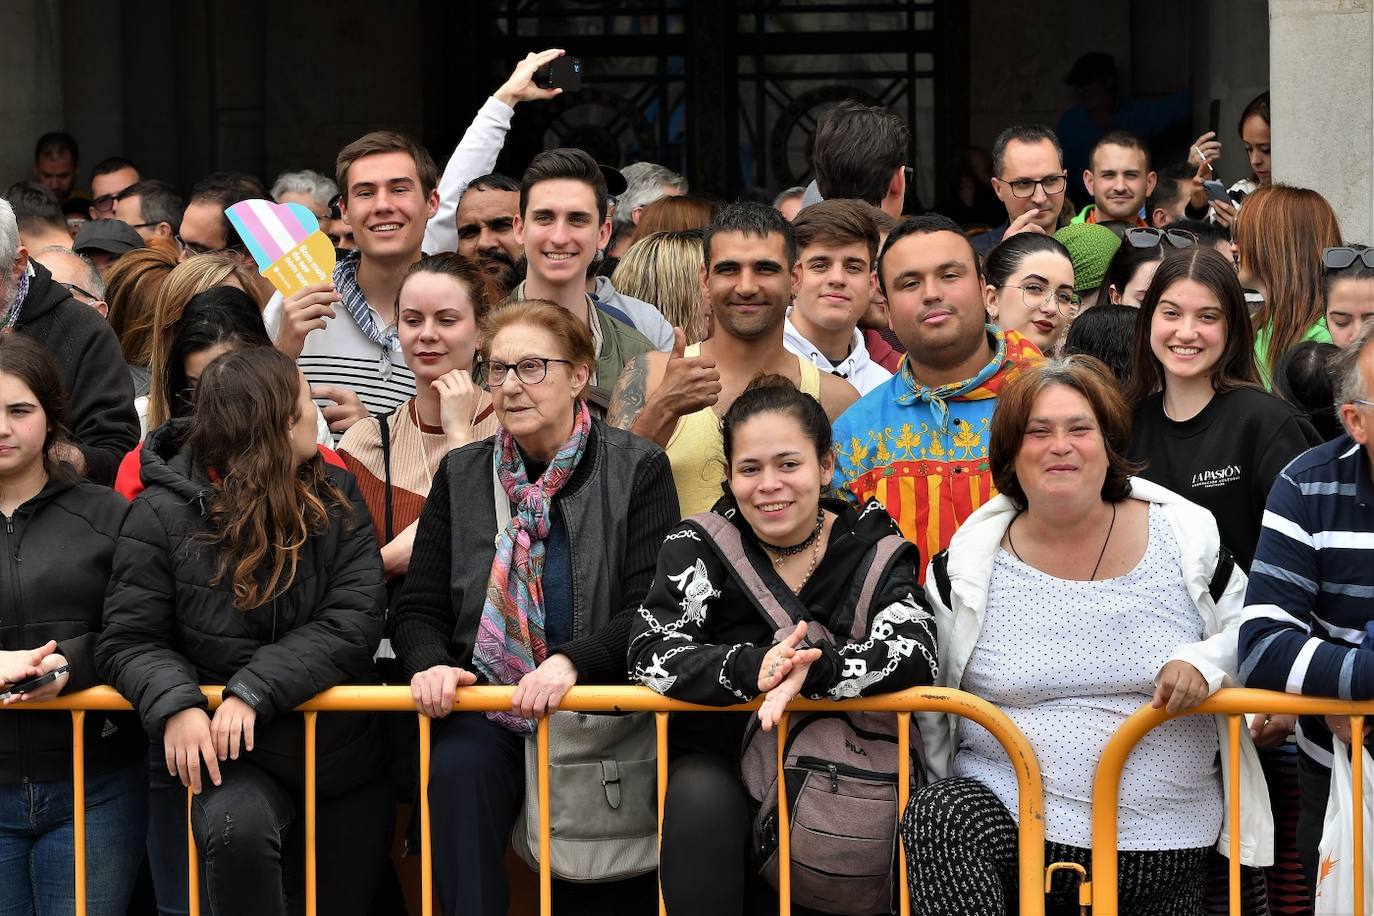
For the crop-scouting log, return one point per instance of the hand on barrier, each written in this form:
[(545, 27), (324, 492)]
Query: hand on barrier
[(186, 740), (24, 664), (1180, 685), (1340, 727), (775, 703), (433, 688), (233, 720), (540, 691), (50, 663), (780, 659)]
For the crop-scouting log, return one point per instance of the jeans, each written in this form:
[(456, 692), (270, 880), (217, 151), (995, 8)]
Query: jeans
[(37, 842), (167, 836), (1314, 788), (250, 833)]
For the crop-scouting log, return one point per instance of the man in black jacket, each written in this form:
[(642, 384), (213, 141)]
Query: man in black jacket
[(99, 392)]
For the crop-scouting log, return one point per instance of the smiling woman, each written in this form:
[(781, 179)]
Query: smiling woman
[(1199, 407), (1030, 287), (1071, 598)]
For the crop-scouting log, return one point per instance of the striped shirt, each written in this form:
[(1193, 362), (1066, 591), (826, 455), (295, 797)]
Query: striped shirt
[(1310, 586)]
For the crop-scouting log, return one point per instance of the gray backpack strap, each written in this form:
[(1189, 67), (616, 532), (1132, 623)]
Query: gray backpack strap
[(731, 549), (883, 552)]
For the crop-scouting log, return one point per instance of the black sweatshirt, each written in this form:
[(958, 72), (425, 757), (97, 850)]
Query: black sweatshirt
[(1224, 459)]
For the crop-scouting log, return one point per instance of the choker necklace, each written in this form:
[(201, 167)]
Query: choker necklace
[(781, 554)]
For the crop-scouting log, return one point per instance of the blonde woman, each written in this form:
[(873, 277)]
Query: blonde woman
[(662, 268)]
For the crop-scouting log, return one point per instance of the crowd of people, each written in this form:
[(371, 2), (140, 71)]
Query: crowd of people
[(580, 426)]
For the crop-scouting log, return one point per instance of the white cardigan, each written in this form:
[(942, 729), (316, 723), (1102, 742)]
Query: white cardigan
[(971, 554)]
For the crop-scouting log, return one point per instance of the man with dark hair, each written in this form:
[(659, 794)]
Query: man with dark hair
[(562, 224), (153, 208), (1028, 177), (56, 158), (109, 177), (486, 227), (1169, 199), (203, 226), (1119, 179), (41, 223), (95, 381), (930, 421), (837, 243), (861, 152), (676, 399)]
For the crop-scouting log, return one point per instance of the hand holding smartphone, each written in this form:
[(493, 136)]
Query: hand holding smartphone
[(32, 684), (561, 73)]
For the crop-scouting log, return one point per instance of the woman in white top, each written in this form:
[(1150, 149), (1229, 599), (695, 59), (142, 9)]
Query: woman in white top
[(1074, 597)]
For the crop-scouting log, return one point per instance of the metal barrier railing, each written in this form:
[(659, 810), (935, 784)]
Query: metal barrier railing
[(1233, 703), (594, 699)]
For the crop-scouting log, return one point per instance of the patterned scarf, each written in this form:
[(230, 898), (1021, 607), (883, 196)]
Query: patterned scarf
[(510, 636), (20, 293), (355, 303), (1008, 346)]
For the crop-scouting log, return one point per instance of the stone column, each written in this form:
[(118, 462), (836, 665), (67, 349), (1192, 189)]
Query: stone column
[(1321, 71)]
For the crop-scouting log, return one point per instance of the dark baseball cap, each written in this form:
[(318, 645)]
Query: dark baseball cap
[(615, 181), (113, 236)]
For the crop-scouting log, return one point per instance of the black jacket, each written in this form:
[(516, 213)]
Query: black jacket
[(95, 380), (55, 554), (617, 505), (168, 630)]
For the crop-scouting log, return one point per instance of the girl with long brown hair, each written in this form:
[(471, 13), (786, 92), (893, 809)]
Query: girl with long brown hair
[(1279, 236), (249, 562)]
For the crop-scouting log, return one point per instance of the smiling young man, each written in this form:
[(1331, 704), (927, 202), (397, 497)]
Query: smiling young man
[(561, 225), (1119, 179), (677, 399), (919, 442), (837, 243)]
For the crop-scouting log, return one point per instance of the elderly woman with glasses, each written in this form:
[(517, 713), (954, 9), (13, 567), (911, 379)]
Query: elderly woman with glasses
[(533, 550), (1071, 599), (1030, 288)]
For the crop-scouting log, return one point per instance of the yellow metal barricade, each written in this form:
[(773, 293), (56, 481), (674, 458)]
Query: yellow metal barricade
[(1233, 703), (595, 699)]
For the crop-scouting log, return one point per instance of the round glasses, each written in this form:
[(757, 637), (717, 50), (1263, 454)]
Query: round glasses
[(530, 371), (1025, 187), (1037, 295)]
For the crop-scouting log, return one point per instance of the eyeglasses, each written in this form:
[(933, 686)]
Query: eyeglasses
[(530, 371), (105, 203), (192, 248), (73, 288), (1362, 402), (187, 397), (1035, 295), (1344, 256), (1148, 237), (1025, 187)]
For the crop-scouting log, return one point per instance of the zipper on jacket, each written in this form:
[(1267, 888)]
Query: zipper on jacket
[(15, 608)]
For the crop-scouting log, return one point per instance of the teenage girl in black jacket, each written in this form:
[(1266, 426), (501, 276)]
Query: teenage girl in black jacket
[(57, 537), (248, 562)]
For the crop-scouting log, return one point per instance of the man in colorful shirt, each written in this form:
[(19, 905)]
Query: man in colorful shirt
[(919, 442)]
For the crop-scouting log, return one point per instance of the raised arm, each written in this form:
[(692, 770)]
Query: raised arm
[(481, 145)]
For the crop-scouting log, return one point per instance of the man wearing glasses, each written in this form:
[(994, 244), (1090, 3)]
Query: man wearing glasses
[(1307, 607), (1028, 177), (108, 178), (152, 208)]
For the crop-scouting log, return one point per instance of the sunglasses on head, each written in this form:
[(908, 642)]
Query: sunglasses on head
[(1147, 237), (1344, 256)]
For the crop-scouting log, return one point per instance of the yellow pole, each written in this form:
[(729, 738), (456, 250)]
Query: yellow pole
[(192, 861), (784, 829), (661, 732), (426, 857), (545, 866), (311, 872), (79, 805), (1233, 727), (903, 796)]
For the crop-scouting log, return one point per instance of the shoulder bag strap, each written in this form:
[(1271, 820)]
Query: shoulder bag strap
[(880, 557), (728, 546), (1221, 576), (388, 528)]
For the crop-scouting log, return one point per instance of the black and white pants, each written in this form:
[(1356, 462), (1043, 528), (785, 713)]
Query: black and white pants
[(961, 860)]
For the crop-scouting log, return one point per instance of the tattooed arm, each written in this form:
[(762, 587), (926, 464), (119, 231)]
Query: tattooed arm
[(656, 389)]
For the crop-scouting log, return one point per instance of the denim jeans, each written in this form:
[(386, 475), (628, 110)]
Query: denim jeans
[(167, 836), (37, 865)]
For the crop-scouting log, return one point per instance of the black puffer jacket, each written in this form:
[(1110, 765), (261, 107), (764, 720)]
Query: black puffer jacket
[(55, 553), (168, 630)]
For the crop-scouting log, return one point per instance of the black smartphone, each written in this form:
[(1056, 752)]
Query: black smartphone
[(560, 73), (1214, 118), (34, 683)]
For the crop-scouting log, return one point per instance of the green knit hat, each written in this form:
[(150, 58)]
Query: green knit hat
[(1091, 248)]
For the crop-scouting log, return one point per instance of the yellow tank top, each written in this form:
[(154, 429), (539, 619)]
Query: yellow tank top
[(696, 450)]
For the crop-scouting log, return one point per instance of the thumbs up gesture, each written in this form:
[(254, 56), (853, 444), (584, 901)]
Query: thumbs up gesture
[(688, 384)]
